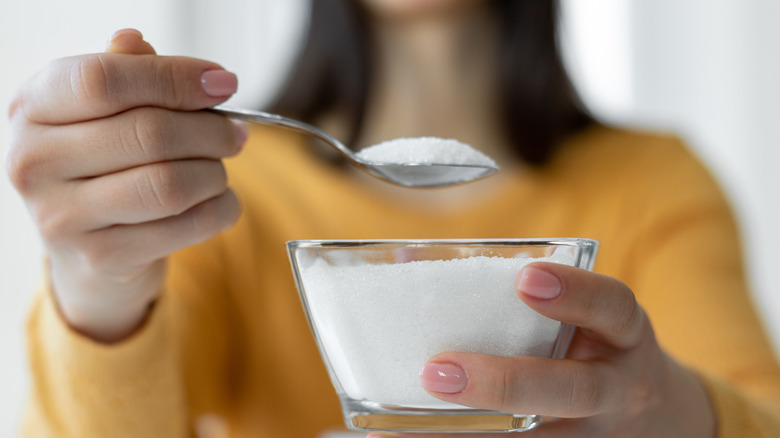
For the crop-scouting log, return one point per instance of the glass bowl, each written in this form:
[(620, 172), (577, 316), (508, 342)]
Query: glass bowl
[(379, 309)]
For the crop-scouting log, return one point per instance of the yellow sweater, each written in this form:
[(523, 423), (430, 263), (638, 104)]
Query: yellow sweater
[(227, 352)]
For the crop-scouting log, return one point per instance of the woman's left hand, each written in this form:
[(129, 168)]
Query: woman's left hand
[(615, 382)]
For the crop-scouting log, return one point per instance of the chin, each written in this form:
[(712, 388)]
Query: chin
[(417, 8)]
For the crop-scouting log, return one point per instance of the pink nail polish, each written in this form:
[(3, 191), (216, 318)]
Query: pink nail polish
[(539, 284), (219, 83), (443, 377)]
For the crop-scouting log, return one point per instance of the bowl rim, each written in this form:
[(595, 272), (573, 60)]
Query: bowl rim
[(536, 241)]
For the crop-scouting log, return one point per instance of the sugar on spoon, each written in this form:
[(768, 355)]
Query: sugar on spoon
[(409, 162)]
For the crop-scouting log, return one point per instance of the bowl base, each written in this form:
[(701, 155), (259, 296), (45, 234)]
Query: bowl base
[(370, 417)]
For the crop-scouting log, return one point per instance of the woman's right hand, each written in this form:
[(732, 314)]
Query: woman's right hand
[(119, 170)]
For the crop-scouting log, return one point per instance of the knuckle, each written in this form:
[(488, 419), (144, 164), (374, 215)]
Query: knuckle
[(511, 394), (588, 309), (100, 254), (628, 313), (503, 386), (16, 105), (19, 168), (149, 135), (586, 395), (642, 395), (91, 78), (23, 167), (168, 80), (54, 224), (160, 190), (22, 100)]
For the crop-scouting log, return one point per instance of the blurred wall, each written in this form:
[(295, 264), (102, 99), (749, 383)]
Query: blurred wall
[(707, 69)]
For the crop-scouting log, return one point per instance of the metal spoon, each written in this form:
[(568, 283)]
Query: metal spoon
[(405, 174)]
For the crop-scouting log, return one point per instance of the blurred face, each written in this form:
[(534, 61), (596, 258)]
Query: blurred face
[(419, 8)]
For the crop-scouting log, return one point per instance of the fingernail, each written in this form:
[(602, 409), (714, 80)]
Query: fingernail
[(219, 83), (126, 32), (538, 283), (443, 377), (123, 33), (241, 133)]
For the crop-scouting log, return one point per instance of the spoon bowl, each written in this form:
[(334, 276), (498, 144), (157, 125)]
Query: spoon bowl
[(407, 174), (428, 175)]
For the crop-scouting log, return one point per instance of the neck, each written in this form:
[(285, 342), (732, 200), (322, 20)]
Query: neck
[(434, 76)]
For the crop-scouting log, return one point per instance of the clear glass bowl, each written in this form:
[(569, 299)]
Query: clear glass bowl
[(379, 309)]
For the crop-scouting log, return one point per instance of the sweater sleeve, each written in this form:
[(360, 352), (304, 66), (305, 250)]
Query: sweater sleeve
[(688, 274), (740, 414), (81, 388)]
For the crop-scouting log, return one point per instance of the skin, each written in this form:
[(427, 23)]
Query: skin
[(119, 172), (615, 382)]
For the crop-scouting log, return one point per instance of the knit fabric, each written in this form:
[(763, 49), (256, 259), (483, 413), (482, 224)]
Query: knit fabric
[(227, 352)]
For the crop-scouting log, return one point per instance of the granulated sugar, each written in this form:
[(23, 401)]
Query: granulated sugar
[(381, 323), (425, 150)]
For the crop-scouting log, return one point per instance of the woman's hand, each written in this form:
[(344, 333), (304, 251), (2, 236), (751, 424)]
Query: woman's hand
[(615, 382), (119, 170)]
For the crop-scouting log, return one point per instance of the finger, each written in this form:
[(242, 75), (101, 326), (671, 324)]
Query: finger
[(148, 193), (522, 385), (124, 245), (138, 195), (129, 41), (133, 138), (601, 305), (99, 85)]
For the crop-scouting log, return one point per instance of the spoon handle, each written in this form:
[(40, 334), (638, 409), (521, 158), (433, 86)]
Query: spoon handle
[(265, 118), (258, 117)]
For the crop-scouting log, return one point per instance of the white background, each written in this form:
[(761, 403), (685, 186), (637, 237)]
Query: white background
[(705, 68)]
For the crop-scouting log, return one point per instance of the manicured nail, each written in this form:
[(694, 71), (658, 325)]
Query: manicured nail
[(219, 83), (241, 133), (538, 284), (443, 377)]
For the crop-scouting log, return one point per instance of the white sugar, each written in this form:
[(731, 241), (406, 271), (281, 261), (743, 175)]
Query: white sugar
[(425, 150), (381, 323)]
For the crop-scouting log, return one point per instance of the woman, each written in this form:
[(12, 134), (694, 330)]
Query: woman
[(155, 322)]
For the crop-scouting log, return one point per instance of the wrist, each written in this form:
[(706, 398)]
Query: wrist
[(104, 325), (105, 309)]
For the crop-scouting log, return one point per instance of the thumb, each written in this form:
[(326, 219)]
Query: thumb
[(129, 41)]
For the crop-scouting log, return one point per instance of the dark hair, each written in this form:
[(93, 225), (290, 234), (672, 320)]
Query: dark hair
[(539, 104)]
